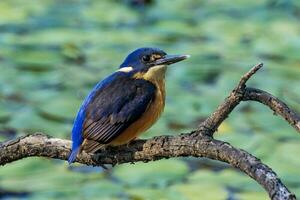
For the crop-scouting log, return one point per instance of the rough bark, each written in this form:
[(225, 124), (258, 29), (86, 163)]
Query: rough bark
[(198, 143)]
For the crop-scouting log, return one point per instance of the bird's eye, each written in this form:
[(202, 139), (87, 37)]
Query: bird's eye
[(146, 58)]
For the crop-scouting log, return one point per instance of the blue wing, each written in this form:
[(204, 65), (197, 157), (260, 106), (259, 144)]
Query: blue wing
[(77, 138), (112, 106)]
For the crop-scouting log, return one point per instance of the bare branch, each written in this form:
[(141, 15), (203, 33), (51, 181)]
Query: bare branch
[(150, 150), (198, 143), (247, 76), (279, 107), (211, 124), (243, 93)]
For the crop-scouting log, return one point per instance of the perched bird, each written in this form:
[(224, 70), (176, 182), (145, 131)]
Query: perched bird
[(124, 104)]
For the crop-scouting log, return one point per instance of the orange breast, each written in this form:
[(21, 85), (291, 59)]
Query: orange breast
[(147, 119)]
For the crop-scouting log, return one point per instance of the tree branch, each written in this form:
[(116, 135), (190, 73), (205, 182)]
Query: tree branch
[(243, 93), (198, 143), (275, 104), (150, 150)]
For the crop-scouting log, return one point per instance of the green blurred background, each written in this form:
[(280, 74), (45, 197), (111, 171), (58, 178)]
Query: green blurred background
[(52, 52)]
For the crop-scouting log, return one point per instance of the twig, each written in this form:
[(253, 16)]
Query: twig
[(278, 107), (247, 76), (211, 124)]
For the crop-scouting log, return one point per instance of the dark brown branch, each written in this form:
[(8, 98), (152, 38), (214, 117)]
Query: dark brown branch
[(247, 76), (211, 124), (198, 143), (243, 93), (279, 107), (150, 150)]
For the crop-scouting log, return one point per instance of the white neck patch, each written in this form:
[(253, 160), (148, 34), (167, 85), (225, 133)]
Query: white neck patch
[(125, 69)]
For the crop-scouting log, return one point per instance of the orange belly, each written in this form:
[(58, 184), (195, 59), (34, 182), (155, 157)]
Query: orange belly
[(150, 116)]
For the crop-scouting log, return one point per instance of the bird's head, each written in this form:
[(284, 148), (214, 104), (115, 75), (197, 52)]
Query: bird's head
[(148, 62)]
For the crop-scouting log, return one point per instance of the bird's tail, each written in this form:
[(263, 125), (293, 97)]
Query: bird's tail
[(91, 146), (76, 136), (73, 155), (88, 146)]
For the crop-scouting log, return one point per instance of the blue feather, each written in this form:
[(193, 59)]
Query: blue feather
[(77, 138)]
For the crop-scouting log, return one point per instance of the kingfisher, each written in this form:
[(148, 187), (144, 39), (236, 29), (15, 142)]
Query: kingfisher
[(124, 104)]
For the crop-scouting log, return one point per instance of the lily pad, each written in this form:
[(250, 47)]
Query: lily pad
[(252, 195), (37, 60), (4, 114), (27, 120), (61, 108), (32, 170), (158, 173), (227, 178), (201, 191), (149, 193)]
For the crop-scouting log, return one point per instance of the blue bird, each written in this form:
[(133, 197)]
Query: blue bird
[(124, 104)]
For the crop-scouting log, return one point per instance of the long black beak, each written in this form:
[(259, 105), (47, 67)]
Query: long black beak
[(170, 59)]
